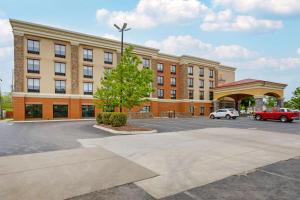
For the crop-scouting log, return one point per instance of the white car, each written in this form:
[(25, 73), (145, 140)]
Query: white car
[(228, 113)]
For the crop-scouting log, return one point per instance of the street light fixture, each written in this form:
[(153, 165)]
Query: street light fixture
[(122, 30)]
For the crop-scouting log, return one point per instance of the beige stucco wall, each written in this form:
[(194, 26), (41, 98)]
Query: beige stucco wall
[(227, 75)]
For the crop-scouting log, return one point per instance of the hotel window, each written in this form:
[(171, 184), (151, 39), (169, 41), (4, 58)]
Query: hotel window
[(190, 70), (87, 72), (33, 46), (160, 93), (88, 88), (87, 110), (191, 82), (60, 87), (211, 84), (88, 55), (173, 94), (146, 62), (33, 85), (60, 111), (191, 94), (60, 69), (191, 109), (160, 80), (201, 72), (201, 96), (201, 111), (146, 109), (211, 73), (60, 50), (173, 81), (108, 58), (201, 83), (173, 69), (160, 67), (33, 66), (211, 95), (33, 110)]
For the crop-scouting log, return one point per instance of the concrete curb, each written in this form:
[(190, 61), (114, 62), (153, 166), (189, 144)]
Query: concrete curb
[(123, 132), (53, 120)]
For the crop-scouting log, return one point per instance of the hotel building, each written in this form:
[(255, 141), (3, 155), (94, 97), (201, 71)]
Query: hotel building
[(56, 72)]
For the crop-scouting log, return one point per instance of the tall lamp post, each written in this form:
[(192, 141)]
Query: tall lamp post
[(1, 113), (122, 30)]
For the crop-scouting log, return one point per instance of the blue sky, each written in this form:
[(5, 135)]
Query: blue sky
[(258, 37)]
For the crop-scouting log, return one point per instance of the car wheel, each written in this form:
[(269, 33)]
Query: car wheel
[(233, 117), (258, 117), (283, 119), (228, 117), (212, 117)]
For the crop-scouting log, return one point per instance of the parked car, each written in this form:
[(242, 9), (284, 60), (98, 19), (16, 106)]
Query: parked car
[(228, 113), (282, 114)]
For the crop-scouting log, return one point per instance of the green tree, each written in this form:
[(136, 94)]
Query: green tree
[(271, 101), (294, 102), (6, 102), (126, 85), (247, 102)]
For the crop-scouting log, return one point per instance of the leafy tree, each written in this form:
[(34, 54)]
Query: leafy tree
[(294, 102), (6, 102), (271, 101), (247, 102), (126, 85)]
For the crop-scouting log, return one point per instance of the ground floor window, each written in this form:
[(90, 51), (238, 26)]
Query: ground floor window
[(88, 110), (211, 109), (145, 109), (60, 111), (202, 111), (33, 111), (191, 109)]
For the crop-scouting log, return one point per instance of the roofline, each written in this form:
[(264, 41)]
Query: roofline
[(254, 81)]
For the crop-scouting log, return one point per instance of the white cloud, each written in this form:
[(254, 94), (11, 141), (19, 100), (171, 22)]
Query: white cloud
[(274, 63), (225, 21), (273, 6), (189, 45), (111, 36), (5, 52), (152, 13), (5, 32), (298, 51)]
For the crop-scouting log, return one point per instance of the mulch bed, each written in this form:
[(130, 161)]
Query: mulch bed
[(127, 127)]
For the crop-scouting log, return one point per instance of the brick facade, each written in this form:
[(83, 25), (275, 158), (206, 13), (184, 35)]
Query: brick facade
[(19, 63)]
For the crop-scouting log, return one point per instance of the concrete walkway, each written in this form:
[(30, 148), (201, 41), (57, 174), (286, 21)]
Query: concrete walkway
[(189, 159), (63, 174)]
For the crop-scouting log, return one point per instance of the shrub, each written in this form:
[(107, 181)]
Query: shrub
[(106, 118), (118, 119), (99, 118)]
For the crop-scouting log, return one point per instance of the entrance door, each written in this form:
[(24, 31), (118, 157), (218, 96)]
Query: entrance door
[(88, 111)]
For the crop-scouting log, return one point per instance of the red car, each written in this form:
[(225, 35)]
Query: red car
[(282, 114)]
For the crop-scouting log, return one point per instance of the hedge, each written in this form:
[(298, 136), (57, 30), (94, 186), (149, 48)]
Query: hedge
[(99, 118), (106, 117), (118, 119)]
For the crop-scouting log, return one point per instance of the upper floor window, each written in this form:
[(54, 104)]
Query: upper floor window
[(191, 82), (33, 66), (190, 70), (211, 95), (173, 94), (201, 72), (191, 94), (88, 55), (201, 83), (173, 69), (33, 46), (33, 85), (211, 73), (60, 86), (173, 81), (60, 69), (160, 67), (160, 80), (160, 93), (146, 62), (88, 88), (60, 50), (108, 58), (211, 84), (201, 96), (87, 72)]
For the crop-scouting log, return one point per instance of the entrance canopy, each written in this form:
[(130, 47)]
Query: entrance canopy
[(249, 87)]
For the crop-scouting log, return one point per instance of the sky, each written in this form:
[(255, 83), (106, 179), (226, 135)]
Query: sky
[(261, 38)]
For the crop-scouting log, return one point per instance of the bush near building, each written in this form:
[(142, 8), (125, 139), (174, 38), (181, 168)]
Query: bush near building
[(114, 119)]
